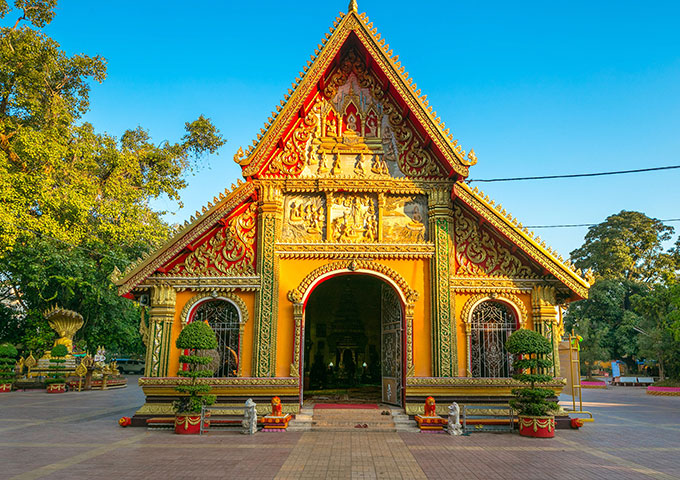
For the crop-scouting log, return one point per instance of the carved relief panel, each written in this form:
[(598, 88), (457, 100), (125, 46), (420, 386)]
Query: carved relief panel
[(479, 253), (404, 219), (353, 218), (304, 219)]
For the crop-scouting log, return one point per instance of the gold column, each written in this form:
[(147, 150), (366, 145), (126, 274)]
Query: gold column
[(543, 301), (161, 316), (444, 353), (270, 208)]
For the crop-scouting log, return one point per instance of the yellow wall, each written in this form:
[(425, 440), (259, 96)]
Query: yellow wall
[(293, 271)]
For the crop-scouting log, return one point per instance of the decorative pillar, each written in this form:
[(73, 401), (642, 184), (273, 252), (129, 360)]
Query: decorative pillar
[(543, 301), (270, 208), (298, 311), (444, 352), (161, 316)]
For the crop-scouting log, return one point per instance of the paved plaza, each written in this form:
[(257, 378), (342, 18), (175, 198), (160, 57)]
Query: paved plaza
[(76, 435)]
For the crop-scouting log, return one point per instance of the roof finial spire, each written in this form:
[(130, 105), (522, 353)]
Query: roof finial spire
[(353, 7)]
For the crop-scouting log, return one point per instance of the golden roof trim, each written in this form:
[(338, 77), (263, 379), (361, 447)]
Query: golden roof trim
[(192, 229), (252, 160), (531, 244)]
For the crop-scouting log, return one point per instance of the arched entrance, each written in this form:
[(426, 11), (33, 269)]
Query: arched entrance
[(354, 339)]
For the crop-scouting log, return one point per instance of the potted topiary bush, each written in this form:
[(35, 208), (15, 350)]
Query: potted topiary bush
[(56, 383), (532, 353), (194, 337), (8, 356)]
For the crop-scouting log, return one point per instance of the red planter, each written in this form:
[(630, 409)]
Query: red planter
[(5, 387), (188, 424), (539, 427), (56, 388)]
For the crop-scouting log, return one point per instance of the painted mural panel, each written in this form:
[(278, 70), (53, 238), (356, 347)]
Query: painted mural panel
[(405, 219), (305, 219)]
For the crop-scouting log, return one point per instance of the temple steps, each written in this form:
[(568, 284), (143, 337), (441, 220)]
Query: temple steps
[(352, 420)]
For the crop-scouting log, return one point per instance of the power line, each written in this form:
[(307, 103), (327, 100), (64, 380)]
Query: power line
[(575, 175), (572, 225)]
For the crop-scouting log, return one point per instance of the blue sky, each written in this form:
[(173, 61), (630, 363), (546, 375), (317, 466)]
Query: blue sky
[(537, 88)]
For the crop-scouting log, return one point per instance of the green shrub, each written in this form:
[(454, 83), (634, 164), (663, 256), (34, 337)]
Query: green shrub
[(8, 356), (532, 353), (193, 337), (57, 360)]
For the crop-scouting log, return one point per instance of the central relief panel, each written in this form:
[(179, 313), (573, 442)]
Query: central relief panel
[(333, 217)]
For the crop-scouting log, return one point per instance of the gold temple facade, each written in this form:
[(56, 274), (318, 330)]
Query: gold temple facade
[(352, 176)]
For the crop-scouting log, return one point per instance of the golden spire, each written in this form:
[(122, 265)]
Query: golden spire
[(353, 7)]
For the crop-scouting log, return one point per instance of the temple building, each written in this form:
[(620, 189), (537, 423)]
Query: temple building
[(352, 253)]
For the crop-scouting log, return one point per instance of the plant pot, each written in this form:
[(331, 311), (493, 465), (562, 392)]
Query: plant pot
[(539, 427), (56, 388), (189, 424), (5, 387)]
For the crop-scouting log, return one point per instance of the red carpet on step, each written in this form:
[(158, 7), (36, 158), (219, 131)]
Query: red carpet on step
[(343, 406)]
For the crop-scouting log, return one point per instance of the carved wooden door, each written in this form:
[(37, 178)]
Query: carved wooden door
[(391, 328)]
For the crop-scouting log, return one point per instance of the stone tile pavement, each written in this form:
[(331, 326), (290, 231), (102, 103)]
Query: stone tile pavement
[(76, 435)]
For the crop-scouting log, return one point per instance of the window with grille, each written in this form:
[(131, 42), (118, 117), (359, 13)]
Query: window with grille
[(223, 318), (492, 324)]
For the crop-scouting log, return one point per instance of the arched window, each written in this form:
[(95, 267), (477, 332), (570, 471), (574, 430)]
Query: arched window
[(492, 323), (224, 319)]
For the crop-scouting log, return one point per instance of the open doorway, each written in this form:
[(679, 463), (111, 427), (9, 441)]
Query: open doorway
[(353, 340)]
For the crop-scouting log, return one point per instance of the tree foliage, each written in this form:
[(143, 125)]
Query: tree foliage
[(195, 337), (532, 353), (632, 269), (74, 203)]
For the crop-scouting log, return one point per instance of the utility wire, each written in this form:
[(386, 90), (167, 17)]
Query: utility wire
[(575, 175), (572, 225)]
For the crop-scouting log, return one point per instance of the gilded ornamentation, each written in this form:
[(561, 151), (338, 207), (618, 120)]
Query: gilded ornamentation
[(520, 237), (304, 219), (230, 252), (471, 382), (399, 137), (404, 219), (513, 300), (292, 159), (242, 381), (353, 218), (161, 315), (477, 252), (360, 250), (266, 312), (66, 323)]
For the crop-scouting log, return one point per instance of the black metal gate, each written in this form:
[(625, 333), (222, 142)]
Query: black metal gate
[(223, 318), (492, 324)]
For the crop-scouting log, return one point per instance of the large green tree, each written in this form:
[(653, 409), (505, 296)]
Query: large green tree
[(627, 254), (74, 203)]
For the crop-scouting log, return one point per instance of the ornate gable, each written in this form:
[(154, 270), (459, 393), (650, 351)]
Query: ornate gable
[(220, 238), (354, 113), (491, 242)]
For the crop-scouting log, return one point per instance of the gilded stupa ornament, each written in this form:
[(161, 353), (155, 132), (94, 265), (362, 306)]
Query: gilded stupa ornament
[(353, 7), (66, 323)]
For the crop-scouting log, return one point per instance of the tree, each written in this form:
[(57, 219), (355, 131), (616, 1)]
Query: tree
[(659, 328), (627, 245), (627, 255), (74, 203)]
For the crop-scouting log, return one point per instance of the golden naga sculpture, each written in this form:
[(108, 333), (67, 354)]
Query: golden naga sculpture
[(66, 323)]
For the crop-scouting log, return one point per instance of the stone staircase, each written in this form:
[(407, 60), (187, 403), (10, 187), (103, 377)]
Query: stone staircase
[(351, 420), (346, 420)]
